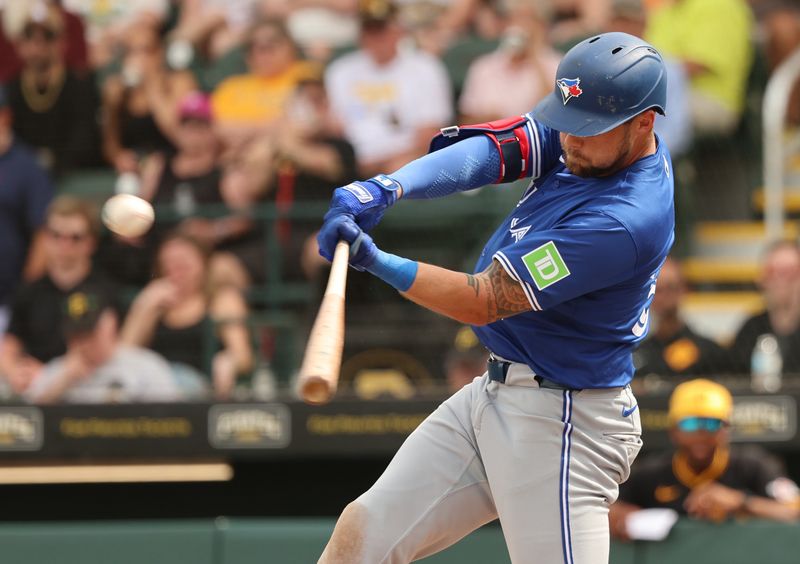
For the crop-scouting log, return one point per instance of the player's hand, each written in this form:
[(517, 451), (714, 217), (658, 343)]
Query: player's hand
[(714, 502), (343, 227), (365, 200)]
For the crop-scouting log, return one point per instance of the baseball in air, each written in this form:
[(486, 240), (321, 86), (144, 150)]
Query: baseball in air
[(128, 215)]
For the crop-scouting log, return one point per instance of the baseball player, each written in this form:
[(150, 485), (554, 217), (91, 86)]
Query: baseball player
[(560, 297)]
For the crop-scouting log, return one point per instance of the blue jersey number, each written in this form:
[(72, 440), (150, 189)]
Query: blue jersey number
[(640, 327)]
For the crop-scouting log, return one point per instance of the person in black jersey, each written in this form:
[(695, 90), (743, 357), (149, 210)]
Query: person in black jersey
[(673, 348), (70, 236), (705, 477)]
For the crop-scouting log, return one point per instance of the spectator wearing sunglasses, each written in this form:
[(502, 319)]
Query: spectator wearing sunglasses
[(54, 107), (32, 338), (705, 477)]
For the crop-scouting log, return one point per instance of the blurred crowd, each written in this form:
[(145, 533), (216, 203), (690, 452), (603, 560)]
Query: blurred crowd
[(217, 111)]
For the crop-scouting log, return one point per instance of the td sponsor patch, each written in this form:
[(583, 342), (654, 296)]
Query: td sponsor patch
[(546, 265)]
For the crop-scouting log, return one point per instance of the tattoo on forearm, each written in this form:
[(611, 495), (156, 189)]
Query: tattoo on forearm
[(506, 297), (474, 283)]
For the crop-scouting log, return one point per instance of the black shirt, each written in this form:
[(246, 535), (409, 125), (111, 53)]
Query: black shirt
[(685, 353), (745, 341), (665, 480), (38, 310), (188, 345), (203, 188), (67, 127)]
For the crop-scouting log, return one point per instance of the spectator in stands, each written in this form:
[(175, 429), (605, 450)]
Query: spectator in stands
[(26, 192), (435, 26), (240, 253), (389, 99), (214, 27), (465, 361), (97, 368), (250, 105), (672, 348), (71, 232), (780, 285), (524, 66), (320, 27), (108, 23), (76, 54), (692, 32), (705, 477), (177, 182), (675, 128), (189, 175), (300, 166), (177, 316), (55, 109), (140, 104), (780, 31), (575, 20)]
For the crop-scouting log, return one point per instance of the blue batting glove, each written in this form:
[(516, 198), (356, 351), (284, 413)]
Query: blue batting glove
[(365, 200), (342, 227), (328, 235)]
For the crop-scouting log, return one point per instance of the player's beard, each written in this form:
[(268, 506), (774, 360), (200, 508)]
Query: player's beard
[(579, 165)]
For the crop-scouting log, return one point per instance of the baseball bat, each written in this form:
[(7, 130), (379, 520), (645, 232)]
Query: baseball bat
[(319, 371)]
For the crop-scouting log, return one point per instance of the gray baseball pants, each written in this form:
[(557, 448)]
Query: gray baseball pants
[(546, 461)]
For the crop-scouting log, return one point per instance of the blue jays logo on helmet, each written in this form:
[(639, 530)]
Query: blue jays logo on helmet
[(570, 88)]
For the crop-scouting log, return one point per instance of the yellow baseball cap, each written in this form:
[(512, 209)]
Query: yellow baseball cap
[(700, 398)]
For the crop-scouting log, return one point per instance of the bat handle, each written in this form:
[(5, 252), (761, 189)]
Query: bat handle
[(337, 279)]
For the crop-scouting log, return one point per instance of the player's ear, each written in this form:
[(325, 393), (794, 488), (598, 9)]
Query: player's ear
[(645, 121)]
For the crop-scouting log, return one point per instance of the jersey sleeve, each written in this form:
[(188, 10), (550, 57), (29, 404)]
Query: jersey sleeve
[(545, 148), (589, 252), (766, 476)]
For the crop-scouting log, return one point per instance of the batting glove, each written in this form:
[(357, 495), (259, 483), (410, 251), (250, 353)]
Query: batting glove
[(343, 227), (365, 200)]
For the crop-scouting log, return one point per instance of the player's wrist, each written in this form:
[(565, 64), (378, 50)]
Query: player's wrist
[(391, 188), (380, 191), (396, 271), (744, 501)]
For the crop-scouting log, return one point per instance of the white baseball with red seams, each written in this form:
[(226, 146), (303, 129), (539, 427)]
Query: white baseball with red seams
[(128, 215)]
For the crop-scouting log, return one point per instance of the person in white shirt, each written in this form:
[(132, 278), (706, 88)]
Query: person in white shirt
[(390, 100), (523, 68)]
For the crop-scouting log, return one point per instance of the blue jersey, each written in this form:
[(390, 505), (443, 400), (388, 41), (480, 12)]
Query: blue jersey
[(587, 252)]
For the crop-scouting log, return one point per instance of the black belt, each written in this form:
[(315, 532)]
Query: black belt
[(498, 369)]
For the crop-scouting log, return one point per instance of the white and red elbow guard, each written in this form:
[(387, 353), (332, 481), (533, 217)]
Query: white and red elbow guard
[(508, 135)]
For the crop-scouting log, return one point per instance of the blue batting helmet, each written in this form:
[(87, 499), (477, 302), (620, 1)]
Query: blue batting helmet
[(603, 82)]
